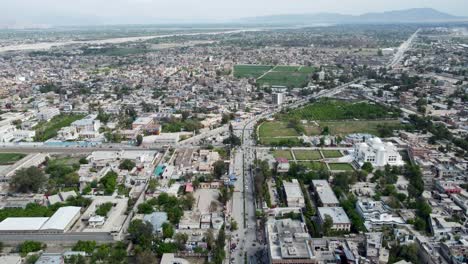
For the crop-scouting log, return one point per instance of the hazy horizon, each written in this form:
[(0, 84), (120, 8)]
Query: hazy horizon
[(87, 12)]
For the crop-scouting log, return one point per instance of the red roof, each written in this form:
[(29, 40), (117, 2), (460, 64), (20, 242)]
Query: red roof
[(189, 187)]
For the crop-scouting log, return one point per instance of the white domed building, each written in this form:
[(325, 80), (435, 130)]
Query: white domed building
[(378, 153)]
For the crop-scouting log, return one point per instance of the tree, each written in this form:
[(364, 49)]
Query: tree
[(141, 233), (224, 195), (139, 140), (167, 230), (180, 240), (83, 160), (152, 185), (27, 180), (367, 166), (209, 239), (327, 224), (145, 208), (219, 169), (127, 164), (86, 246), (145, 257), (109, 182), (404, 252), (219, 253), (29, 246), (234, 225), (187, 201)]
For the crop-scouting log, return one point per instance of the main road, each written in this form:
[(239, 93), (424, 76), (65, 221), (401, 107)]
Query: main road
[(402, 49), (244, 203)]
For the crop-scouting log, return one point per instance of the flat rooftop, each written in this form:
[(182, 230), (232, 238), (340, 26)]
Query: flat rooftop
[(338, 214), (288, 239), (325, 192)]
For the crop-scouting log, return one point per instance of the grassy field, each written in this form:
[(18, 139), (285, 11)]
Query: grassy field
[(312, 165), (276, 129), (250, 71), (284, 78), (307, 155), (289, 76), (328, 109), (328, 154), (282, 154), (361, 126), (292, 142), (48, 130), (340, 166), (10, 158)]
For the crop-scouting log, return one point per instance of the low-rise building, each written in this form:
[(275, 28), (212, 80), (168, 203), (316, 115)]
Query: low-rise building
[(289, 242), (324, 194), (294, 196), (340, 219)]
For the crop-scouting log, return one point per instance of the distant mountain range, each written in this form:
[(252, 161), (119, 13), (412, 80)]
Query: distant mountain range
[(415, 15)]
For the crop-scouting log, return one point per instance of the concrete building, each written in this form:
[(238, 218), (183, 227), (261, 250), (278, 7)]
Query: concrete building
[(340, 219), (377, 153), (324, 194), (162, 139), (87, 127), (294, 196), (278, 98), (157, 219), (47, 113), (376, 214), (288, 242), (282, 165), (60, 222)]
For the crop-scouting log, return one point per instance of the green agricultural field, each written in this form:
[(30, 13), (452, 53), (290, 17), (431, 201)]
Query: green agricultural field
[(250, 71), (328, 109), (10, 158), (329, 154), (282, 154), (340, 167), (307, 154), (48, 130), (276, 129), (360, 126)]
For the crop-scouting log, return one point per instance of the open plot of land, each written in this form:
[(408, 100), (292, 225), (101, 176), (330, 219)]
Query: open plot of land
[(10, 158), (276, 129), (307, 155), (250, 71), (359, 126), (283, 154), (341, 166), (48, 130), (328, 109), (328, 154), (204, 197)]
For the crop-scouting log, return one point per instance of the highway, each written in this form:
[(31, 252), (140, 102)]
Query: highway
[(402, 49)]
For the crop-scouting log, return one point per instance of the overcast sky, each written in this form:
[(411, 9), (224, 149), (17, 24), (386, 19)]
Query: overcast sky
[(134, 11)]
